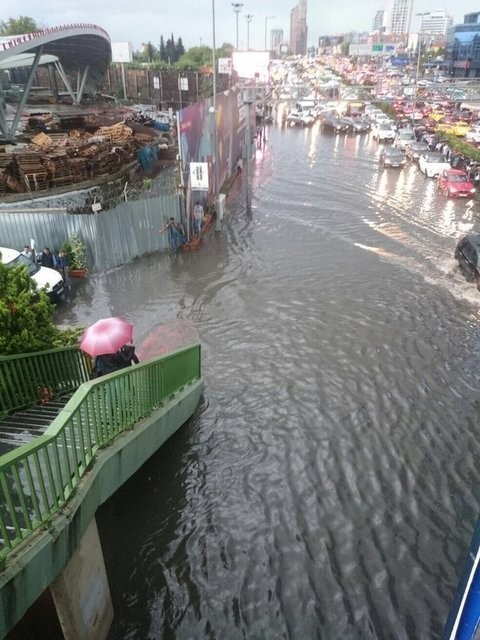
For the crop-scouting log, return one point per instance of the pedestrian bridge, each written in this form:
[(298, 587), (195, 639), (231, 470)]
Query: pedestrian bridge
[(52, 484)]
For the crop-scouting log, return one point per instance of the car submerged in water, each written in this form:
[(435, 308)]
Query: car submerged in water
[(432, 164), (455, 183), (392, 157), (467, 253)]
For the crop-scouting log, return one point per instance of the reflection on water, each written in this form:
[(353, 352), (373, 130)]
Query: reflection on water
[(327, 485)]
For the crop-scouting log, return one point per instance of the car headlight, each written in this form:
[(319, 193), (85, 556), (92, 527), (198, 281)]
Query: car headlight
[(472, 190), (452, 189)]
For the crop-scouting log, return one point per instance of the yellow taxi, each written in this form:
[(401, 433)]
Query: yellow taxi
[(437, 115), (459, 128)]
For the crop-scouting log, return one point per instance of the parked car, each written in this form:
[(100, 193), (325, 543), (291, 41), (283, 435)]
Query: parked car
[(473, 134), (334, 124), (383, 132), (455, 183), (415, 149), (431, 163), (392, 157), (403, 138), (467, 252), (44, 277), (356, 125), (294, 118)]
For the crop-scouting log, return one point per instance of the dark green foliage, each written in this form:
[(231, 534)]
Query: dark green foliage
[(26, 315), (17, 26)]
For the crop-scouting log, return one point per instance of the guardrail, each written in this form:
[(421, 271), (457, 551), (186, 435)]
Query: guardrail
[(27, 378), (37, 479)]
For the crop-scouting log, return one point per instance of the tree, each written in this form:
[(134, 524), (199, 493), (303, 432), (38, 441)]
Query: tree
[(17, 26), (179, 49), (163, 54), (26, 315)]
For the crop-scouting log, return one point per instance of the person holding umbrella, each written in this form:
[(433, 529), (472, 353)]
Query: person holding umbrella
[(103, 340)]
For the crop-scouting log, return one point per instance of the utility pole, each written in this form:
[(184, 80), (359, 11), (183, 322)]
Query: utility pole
[(237, 7), (248, 18), (218, 221)]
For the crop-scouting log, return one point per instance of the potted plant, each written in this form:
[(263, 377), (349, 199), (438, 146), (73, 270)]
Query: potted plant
[(76, 251)]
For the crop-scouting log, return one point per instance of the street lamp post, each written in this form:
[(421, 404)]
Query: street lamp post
[(248, 18), (218, 222), (267, 18), (237, 7), (419, 45)]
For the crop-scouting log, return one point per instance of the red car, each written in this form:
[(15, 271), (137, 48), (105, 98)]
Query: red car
[(455, 183)]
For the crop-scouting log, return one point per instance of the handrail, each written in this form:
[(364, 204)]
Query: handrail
[(27, 378), (37, 479)]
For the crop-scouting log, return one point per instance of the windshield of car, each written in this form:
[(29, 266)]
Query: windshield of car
[(406, 135), (435, 158), (21, 259), (458, 177)]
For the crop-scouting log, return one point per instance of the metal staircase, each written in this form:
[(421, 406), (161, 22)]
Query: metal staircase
[(23, 426)]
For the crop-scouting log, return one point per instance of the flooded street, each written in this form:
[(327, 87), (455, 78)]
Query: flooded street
[(327, 486)]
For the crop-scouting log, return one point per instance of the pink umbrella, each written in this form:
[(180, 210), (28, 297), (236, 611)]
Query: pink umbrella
[(106, 336)]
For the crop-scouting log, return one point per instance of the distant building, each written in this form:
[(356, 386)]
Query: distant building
[(276, 39), (298, 28), (462, 51), (377, 23), (436, 23), (398, 17)]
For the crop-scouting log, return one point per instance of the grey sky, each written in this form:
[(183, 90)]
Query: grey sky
[(143, 21)]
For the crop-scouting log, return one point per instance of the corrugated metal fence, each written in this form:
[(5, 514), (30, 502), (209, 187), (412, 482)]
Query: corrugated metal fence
[(112, 237)]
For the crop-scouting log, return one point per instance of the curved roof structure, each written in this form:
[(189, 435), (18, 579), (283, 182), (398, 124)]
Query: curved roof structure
[(77, 50)]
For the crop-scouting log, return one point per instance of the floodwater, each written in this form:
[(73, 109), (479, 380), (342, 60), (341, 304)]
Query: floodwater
[(327, 486)]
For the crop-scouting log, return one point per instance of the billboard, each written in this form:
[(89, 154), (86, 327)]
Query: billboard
[(122, 52), (252, 65)]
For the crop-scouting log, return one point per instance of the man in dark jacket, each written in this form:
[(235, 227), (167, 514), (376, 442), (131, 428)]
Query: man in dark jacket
[(46, 259)]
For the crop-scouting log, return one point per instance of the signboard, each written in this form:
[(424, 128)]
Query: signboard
[(253, 65), (225, 65), (183, 84), (377, 48), (199, 176), (360, 50), (122, 52), (156, 82)]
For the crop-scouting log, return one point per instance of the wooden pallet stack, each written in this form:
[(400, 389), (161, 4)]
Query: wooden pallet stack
[(59, 169), (7, 170), (33, 173), (80, 171)]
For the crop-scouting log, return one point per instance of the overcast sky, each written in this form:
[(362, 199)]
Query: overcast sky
[(140, 21)]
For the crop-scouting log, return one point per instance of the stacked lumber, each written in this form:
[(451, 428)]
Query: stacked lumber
[(59, 169), (33, 174), (117, 134), (79, 168), (7, 163)]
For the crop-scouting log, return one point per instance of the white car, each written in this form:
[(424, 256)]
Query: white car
[(432, 164), (404, 138), (473, 134), (383, 132), (48, 279)]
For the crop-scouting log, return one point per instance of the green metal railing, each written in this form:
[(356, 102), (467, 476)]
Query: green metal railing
[(27, 378), (37, 479)]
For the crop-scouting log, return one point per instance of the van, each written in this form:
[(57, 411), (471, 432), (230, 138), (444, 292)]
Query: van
[(48, 279)]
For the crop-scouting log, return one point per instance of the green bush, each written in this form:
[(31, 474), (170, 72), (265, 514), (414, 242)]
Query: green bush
[(26, 314)]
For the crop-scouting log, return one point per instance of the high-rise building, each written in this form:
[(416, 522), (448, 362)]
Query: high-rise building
[(276, 39), (436, 23), (398, 16), (298, 28), (377, 23)]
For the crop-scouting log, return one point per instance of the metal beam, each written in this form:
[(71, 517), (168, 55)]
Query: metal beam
[(28, 86), (82, 84), (66, 81)]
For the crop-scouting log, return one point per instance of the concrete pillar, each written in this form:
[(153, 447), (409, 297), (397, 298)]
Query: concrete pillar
[(81, 592)]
